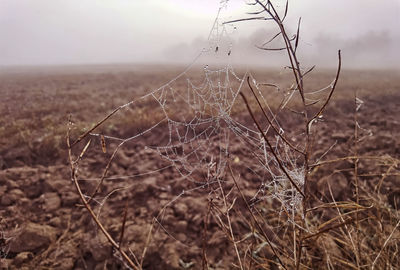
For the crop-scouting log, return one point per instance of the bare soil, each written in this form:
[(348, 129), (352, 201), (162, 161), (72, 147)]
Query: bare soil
[(44, 226)]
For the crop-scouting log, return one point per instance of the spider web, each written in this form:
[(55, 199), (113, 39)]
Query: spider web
[(196, 119)]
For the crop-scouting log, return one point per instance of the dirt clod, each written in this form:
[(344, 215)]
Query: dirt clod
[(50, 201), (22, 258), (33, 237)]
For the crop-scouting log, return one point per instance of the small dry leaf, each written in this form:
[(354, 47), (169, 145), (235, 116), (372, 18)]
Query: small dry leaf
[(103, 143)]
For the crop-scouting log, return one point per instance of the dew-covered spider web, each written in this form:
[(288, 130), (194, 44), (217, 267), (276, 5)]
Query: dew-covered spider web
[(197, 124)]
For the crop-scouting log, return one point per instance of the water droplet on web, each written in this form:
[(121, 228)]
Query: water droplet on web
[(359, 103), (205, 103)]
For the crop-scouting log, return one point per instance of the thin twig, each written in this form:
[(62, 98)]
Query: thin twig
[(321, 110), (204, 246), (341, 224), (270, 146), (121, 237), (148, 239), (297, 35), (384, 244), (248, 19), (270, 122), (254, 218), (103, 176), (347, 158), (356, 182), (230, 224), (91, 212), (80, 138)]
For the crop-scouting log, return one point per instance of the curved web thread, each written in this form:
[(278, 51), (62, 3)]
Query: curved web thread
[(195, 117), (209, 104)]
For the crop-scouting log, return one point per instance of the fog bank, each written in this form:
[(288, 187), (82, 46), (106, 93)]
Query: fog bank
[(59, 32)]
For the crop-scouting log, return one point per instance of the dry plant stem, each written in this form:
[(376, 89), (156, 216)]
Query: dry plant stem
[(80, 138), (274, 16), (328, 99), (350, 158), (254, 218), (384, 244), (348, 264), (356, 183), (345, 205), (270, 122), (270, 146), (262, 18), (291, 51), (90, 210), (309, 70), (205, 229), (134, 256), (308, 144), (294, 63), (272, 39), (297, 35), (308, 150), (149, 234), (123, 225), (343, 220), (103, 176), (387, 173), (348, 221), (101, 227), (230, 224)]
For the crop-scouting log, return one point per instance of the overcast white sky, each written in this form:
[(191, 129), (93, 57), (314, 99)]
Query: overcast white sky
[(37, 32)]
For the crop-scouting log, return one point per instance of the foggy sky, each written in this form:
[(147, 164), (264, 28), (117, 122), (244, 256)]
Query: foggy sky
[(57, 32)]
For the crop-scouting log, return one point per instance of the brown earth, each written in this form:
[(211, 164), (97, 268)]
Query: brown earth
[(44, 226)]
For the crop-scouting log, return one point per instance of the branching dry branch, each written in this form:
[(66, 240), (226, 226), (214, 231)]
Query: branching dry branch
[(90, 210)]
